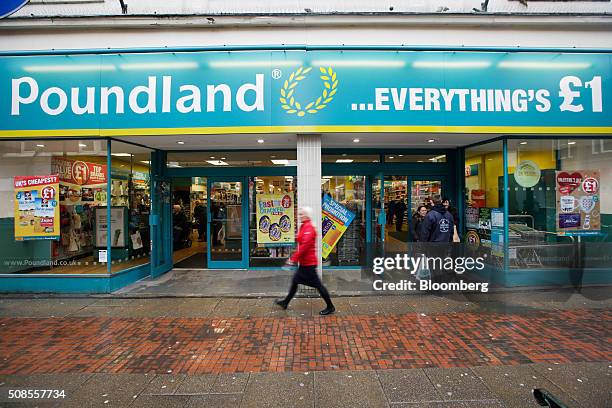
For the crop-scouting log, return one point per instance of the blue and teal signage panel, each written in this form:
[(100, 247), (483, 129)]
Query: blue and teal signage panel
[(298, 91)]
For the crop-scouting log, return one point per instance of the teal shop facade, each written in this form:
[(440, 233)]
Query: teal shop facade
[(182, 125)]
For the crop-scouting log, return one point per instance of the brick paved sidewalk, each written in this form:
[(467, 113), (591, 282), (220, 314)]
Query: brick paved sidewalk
[(415, 351)]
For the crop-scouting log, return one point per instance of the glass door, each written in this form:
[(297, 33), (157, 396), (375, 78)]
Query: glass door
[(377, 217), (161, 227), (227, 223)]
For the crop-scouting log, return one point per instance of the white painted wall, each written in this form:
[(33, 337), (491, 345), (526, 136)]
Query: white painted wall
[(110, 7), (182, 37)]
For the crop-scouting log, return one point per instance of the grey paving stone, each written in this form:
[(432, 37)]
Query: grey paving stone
[(42, 307), (196, 384), (68, 382), (230, 383), (300, 308), (226, 307), (160, 401), (254, 308), (348, 389), (458, 384), (585, 382), (407, 386), (514, 384), (278, 390), (453, 404), (118, 389), (215, 400), (164, 384)]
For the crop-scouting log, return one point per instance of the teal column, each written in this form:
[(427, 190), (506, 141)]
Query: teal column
[(506, 218), (109, 184)]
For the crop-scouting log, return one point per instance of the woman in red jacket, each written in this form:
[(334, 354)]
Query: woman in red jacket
[(306, 259)]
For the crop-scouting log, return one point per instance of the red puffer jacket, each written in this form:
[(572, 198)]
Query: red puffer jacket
[(306, 254)]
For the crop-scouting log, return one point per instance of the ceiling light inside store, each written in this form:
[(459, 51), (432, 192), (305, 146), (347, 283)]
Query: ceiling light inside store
[(211, 157), (121, 154), (282, 162), (145, 162), (431, 140), (40, 145), (217, 162), (180, 142), (571, 143), (523, 143), (174, 164), (82, 145), (260, 140), (223, 158), (391, 157), (356, 140), (344, 161)]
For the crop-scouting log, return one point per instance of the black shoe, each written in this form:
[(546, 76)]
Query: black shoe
[(282, 304), (327, 310)]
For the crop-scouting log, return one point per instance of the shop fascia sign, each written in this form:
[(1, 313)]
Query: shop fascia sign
[(212, 92), (26, 90)]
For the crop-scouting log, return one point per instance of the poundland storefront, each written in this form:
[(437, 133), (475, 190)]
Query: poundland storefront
[(200, 157)]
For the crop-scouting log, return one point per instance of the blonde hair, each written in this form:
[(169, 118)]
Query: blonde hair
[(307, 211)]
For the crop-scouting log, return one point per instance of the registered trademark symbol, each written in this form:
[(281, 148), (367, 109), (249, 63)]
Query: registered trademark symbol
[(277, 73)]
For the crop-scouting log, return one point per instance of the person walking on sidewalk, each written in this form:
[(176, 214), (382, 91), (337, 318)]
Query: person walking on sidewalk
[(306, 258)]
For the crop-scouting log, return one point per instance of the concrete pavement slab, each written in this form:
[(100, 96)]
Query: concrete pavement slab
[(164, 384), (454, 404), (514, 384), (455, 384), (160, 401), (230, 383), (273, 390), (196, 384), (42, 307), (407, 386), (103, 390), (348, 389), (585, 382), (215, 401)]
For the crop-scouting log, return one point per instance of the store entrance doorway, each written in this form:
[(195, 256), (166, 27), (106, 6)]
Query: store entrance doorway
[(227, 223), (402, 197), (209, 222)]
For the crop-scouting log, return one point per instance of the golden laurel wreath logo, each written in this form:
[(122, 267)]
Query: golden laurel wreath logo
[(292, 106)]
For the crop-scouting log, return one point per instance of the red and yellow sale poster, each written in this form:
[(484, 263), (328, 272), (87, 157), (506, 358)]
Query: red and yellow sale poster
[(36, 207)]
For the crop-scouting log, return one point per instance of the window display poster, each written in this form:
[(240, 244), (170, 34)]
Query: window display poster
[(117, 227), (80, 182), (484, 225), (275, 219), (471, 217), (36, 207), (578, 202), (336, 219)]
